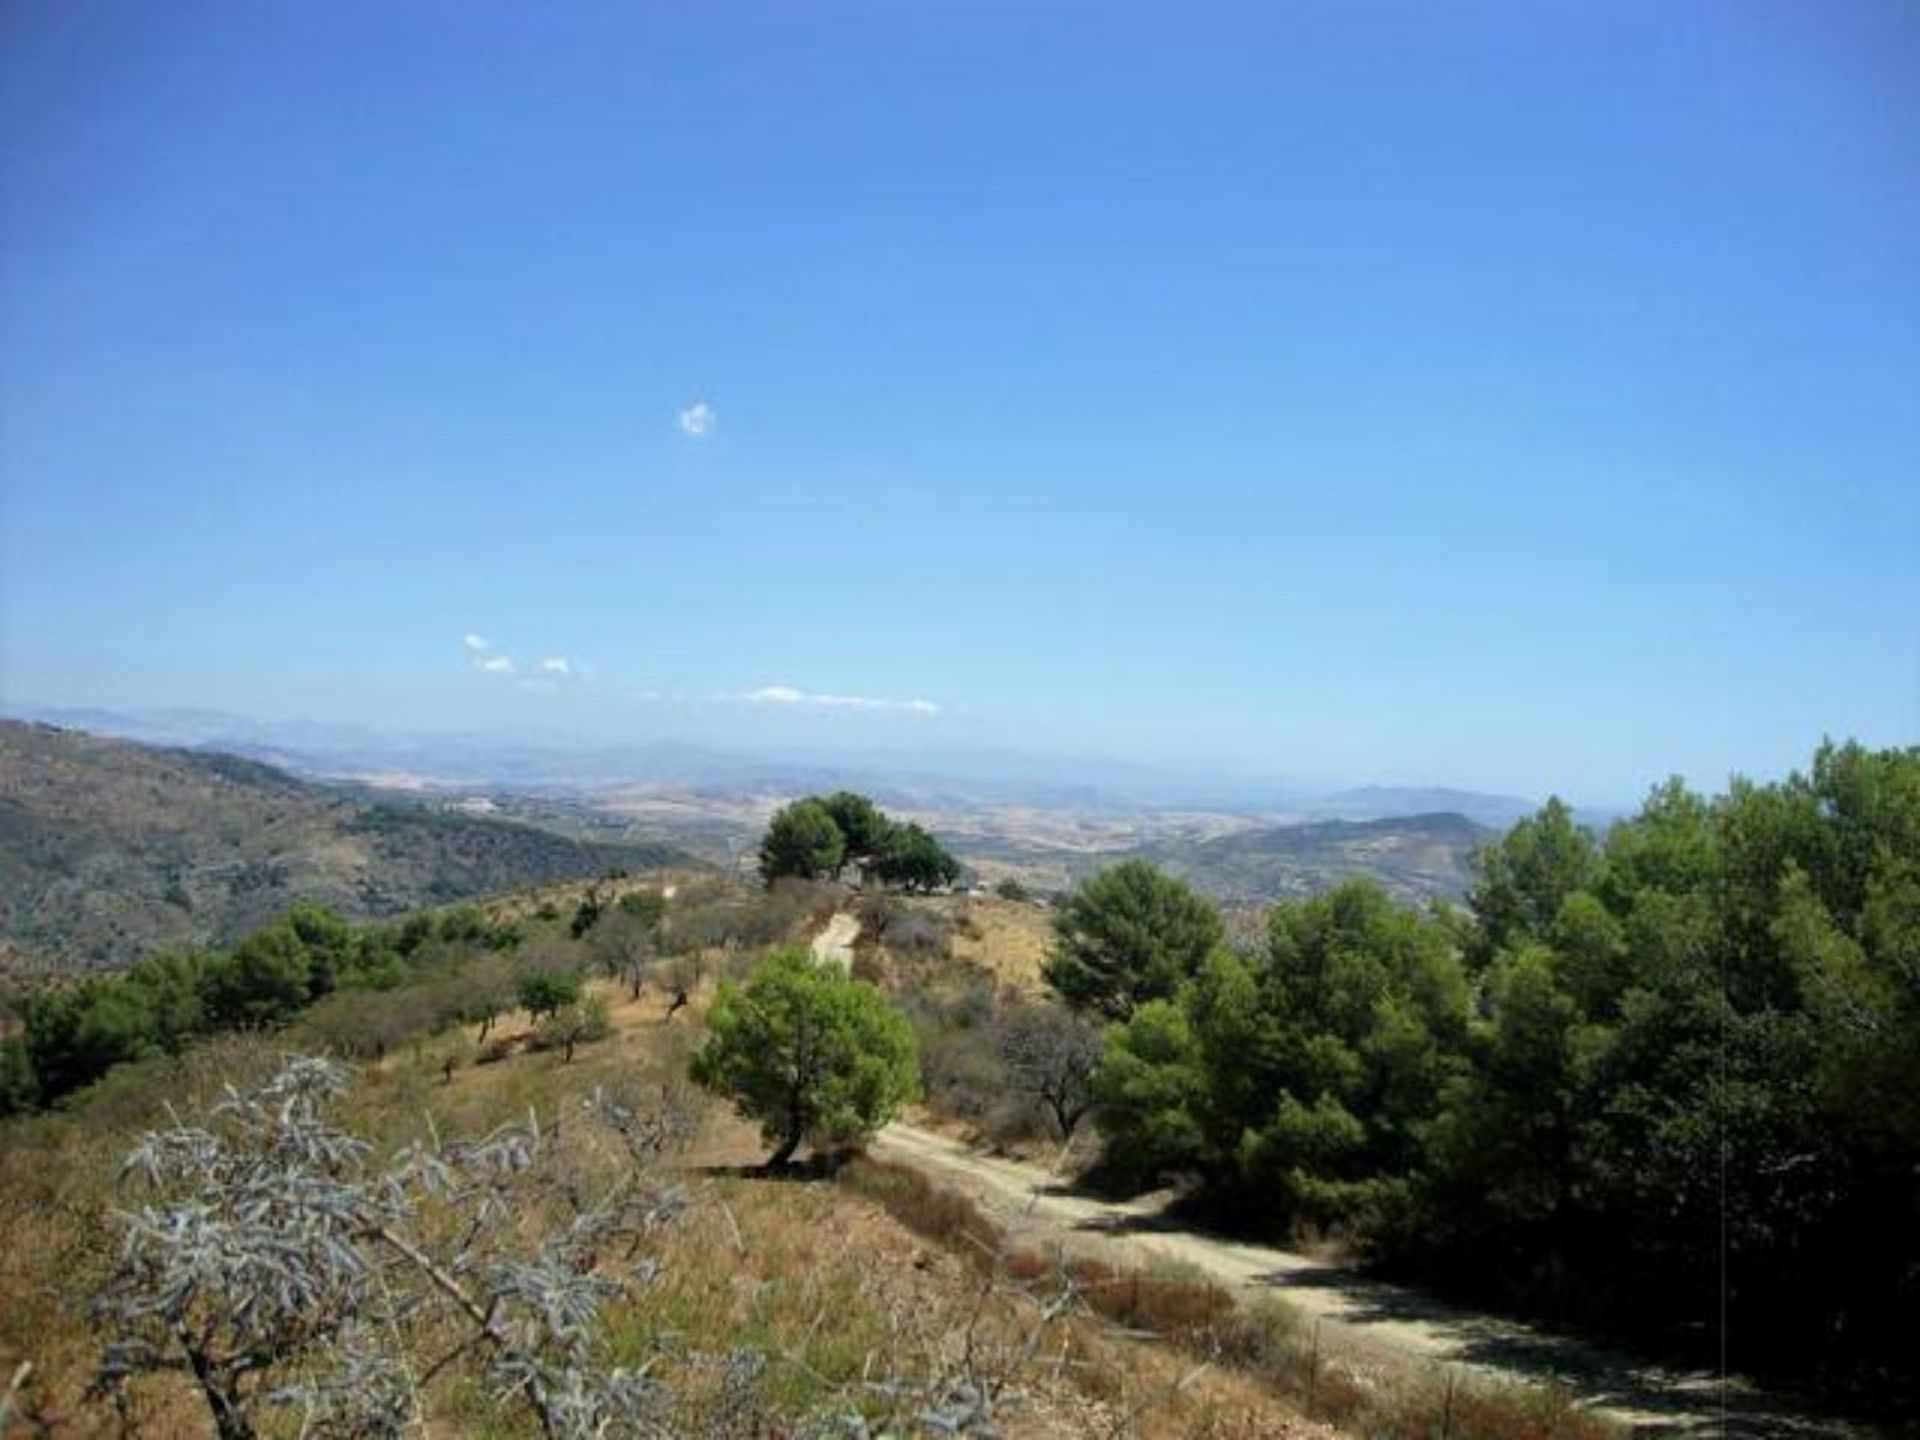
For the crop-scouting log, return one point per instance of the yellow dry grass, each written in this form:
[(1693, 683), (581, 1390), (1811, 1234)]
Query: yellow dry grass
[(1007, 938), (818, 1278)]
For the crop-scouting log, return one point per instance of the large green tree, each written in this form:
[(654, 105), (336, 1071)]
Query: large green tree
[(1526, 874), (1127, 935), (808, 1052), (1301, 1082), (802, 841)]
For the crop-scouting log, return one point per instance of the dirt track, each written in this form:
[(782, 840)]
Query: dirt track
[(1369, 1324), (834, 945)]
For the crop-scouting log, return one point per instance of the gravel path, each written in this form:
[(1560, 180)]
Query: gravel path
[(1364, 1320)]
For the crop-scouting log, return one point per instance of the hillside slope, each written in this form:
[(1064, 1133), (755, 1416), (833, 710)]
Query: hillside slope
[(110, 849), (1415, 857)]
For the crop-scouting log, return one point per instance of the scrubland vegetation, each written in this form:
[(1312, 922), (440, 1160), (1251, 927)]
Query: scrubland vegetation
[(1638, 1078), (523, 1246)]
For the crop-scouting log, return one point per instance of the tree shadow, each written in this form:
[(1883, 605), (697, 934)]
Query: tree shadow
[(1668, 1401), (814, 1167)]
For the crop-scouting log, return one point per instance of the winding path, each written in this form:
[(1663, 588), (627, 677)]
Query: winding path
[(1366, 1322)]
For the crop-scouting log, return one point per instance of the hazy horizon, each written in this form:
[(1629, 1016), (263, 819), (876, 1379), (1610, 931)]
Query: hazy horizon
[(1115, 775)]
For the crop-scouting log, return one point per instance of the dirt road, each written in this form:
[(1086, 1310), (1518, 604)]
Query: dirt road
[(834, 945), (1369, 1323)]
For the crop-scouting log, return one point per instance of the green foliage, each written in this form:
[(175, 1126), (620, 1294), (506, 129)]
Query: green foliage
[(1641, 1079), (575, 1024), (912, 859), (1012, 889), (1152, 1088), (74, 1034), (808, 1052), (544, 992), (19, 1086), (1300, 1084), (802, 842), (1528, 874), (261, 981), (817, 838), (1128, 935), (863, 828)]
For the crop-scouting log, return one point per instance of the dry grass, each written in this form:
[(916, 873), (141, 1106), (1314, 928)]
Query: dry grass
[(828, 1285), (1264, 1343), (1006, 938), (835, 1283)]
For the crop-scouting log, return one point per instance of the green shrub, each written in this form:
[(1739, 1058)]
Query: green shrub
[(809, 1052)]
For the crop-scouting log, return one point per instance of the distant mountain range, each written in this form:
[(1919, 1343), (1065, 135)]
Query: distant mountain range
[(541, 762), (109, 849)]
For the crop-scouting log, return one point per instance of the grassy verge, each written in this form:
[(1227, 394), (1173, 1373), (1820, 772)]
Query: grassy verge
[(1267, 1340)]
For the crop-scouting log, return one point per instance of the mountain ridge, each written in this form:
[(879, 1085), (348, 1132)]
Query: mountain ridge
[(110, 849)]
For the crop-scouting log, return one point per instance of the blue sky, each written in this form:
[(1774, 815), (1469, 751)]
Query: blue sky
[(1520, 396)]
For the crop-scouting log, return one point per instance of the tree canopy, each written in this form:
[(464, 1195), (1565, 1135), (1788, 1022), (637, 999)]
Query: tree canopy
[(802, 841), (72, 1035), (808, 1052), (1644, 1076), (914, 860), (862, 825), (818, 837), (1128, 935)]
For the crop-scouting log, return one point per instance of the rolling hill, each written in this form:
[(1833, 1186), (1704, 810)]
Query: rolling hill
[(109, 849), (1415, 857)]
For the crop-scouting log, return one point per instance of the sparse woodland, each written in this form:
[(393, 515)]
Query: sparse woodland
[(1639, 1076)]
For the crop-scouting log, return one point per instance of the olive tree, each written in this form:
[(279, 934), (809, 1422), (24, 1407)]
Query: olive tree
[(283, 1265)]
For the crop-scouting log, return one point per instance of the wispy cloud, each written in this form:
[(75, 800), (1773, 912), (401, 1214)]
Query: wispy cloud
[(476, 643), (556, 665), (697, 420), (793, 697), (494, 664)]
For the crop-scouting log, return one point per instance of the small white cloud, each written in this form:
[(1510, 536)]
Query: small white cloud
[(697, 420), (476, 643), (777, 695), (495, 665), (790, 695), (556, 665)]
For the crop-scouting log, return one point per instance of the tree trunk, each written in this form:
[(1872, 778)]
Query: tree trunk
[(229, 1420), (796, 1132)]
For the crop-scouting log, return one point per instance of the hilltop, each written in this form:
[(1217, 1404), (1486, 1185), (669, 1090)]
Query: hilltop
[(110, 849), (1413, 857)]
